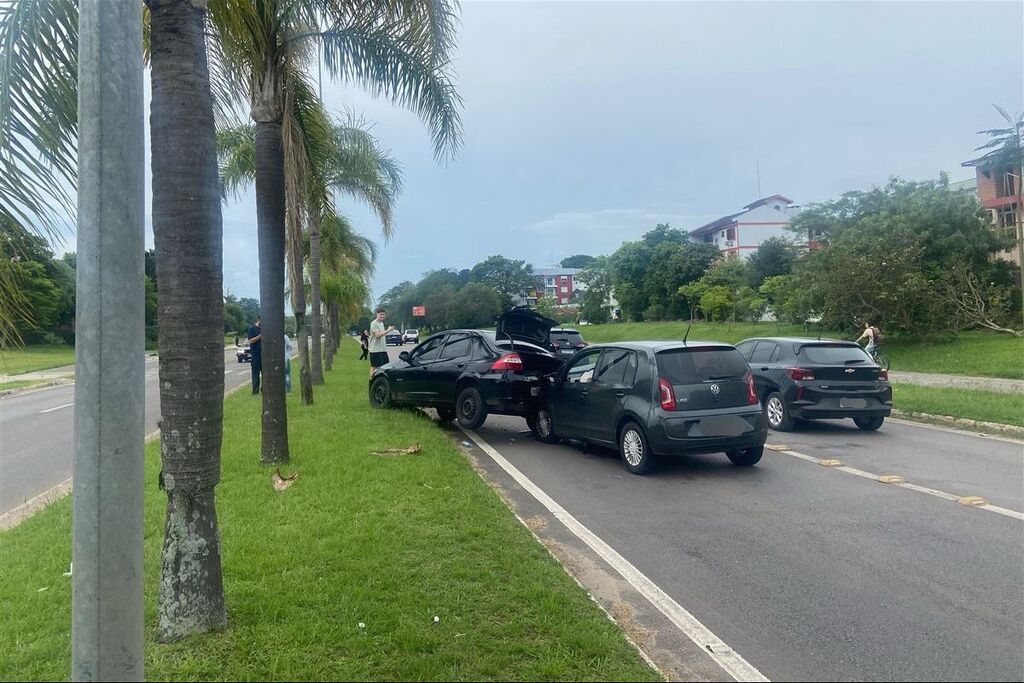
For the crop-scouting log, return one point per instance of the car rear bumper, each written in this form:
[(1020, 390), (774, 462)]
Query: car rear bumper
[(515, 395), (706, 431), (838, 409)]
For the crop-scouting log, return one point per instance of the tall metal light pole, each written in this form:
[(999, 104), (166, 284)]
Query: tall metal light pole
[(106, 595)]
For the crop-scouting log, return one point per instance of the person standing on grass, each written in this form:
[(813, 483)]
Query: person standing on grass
[(378, 345), (364, 343), (256, 364)]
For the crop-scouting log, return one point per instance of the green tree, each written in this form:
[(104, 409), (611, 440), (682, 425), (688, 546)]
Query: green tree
[(475, 305), (717, 302), (598, 282), (507, 277), (774, 256), (577, 261)]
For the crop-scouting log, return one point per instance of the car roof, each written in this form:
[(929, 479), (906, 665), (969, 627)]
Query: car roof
[(803, 340), (662, 345)]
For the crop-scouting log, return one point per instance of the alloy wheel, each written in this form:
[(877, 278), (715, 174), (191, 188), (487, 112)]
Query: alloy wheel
[(633, 447), (775, 411)]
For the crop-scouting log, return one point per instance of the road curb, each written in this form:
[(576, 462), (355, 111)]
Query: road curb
[(961, 422)]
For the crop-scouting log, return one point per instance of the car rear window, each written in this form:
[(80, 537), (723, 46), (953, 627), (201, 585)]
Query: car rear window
[(558, 337), (689, 366), (833, 354)]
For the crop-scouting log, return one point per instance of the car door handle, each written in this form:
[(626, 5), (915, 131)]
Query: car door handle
[(460, 365), (764, 369), (620, 393)]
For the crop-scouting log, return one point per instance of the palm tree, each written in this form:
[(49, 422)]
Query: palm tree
[(348, 262), (38, 138), (319, 157), (398, 48), (188, 239)]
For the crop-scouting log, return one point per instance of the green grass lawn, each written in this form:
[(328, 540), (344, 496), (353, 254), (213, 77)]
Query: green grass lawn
[(391, 542), (988, 406), (32, 358), (968, 353), (21, 384)]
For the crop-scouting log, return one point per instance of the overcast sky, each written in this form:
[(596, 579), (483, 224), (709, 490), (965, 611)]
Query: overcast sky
[(586, 123)]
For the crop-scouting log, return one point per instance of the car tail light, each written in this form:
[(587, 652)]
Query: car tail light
[(510, 361), (883, 374), (801, 373), (580, 345), (751, 394), (668, 397)]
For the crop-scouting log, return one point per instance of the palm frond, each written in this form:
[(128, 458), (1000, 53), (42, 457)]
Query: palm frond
[(236, 152), (38, 112)]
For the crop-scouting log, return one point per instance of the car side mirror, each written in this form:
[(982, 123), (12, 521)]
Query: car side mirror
[(404, 356)]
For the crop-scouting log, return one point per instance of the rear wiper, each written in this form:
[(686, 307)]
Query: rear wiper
[(714, 378), (854, 360)]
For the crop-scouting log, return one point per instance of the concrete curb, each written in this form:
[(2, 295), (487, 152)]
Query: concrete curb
[(961, 422), (42, 385)]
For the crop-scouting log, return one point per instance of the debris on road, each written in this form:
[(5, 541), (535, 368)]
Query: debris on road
[(281, 482)]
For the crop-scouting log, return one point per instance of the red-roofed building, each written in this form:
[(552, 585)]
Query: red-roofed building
[(743, 232)]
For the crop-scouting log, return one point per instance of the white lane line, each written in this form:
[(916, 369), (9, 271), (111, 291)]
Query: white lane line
[(712, 645), (50, 410), (910, 487), (243, 372)]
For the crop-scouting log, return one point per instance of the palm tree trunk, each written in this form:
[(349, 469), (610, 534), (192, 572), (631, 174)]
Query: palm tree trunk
[(188, 239), (314, 295), (299, 303), (270, 208)]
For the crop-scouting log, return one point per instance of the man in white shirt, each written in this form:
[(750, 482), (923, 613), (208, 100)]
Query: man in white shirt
[(378, 341)]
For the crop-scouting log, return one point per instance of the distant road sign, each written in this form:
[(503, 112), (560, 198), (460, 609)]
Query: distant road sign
[(419, 311)]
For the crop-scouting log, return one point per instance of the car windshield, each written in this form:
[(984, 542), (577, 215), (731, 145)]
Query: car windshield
[(689, 366), (833, 354), (565, 337)]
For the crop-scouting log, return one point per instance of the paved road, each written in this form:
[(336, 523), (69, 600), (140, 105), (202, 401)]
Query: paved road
[(36, 432), (812, 573)]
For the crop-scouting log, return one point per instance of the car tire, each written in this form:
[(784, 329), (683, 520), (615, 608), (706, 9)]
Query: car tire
[(777, 413), (446, 414), (542, 426), (470, 408), (380, 392), (745, 457), (869, 424), (633, 447)]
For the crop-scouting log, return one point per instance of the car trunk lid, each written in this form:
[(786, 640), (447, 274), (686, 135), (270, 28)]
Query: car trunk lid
[(526, 324), (838, 362)]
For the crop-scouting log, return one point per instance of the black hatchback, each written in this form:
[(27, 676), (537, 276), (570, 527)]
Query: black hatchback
[(813, 379), (656, 398)]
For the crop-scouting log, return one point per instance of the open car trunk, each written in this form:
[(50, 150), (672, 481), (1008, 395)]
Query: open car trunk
[(525, 324)]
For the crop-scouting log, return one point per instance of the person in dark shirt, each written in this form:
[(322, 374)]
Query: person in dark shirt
[(255, 335)]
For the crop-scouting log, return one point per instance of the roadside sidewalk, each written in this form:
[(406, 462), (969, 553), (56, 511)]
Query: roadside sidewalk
[(1006, 386)]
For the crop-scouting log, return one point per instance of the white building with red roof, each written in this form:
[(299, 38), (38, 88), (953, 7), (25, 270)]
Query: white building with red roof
[(743, 232)]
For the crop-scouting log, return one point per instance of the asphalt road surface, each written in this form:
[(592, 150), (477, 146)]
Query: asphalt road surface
[(36, 432), (813, 572)]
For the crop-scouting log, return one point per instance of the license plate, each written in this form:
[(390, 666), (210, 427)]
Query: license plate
[(724, 425), (534, 391), (853, 403)]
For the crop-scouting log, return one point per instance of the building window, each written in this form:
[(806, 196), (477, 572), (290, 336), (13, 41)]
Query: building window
[(549, 282)]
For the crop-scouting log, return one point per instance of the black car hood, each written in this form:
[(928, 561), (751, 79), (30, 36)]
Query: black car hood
[(526, 324)]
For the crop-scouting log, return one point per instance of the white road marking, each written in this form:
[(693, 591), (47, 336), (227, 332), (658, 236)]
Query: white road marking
[(50, 410), (910, 487), (243, 372), (721, 653)]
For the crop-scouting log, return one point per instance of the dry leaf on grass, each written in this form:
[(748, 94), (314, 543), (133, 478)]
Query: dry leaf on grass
[(281, 483), (411, 450)]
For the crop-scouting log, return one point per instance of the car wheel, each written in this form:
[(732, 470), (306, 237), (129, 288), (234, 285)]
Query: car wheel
[(446, 414), (470, 408), (745, 457), (380, 393), (869, 424), (542, 426), (634, 449), (777, 413)]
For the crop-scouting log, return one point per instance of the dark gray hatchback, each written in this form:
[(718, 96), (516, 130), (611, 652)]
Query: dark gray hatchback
[(655, 398)]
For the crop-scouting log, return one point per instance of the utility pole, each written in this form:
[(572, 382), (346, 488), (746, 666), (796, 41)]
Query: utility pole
[(106, 588)]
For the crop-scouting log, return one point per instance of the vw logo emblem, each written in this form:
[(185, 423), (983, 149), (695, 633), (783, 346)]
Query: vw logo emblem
[(715, 389)]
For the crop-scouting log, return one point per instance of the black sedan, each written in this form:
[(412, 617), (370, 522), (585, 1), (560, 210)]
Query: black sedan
[(466, 374), (813, 379), (656, 398), (394, 337)]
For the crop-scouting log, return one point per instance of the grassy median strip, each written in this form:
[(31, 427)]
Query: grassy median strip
[(973, 404), (33, 358), (390, 542)]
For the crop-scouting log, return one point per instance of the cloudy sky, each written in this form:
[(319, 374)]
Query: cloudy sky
[(588, 122)]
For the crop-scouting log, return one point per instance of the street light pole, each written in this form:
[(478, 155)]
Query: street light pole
[(106, 595)]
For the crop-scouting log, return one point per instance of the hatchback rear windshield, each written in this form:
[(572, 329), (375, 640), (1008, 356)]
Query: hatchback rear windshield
[(833, 354), (688, 366), (558, 337)]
